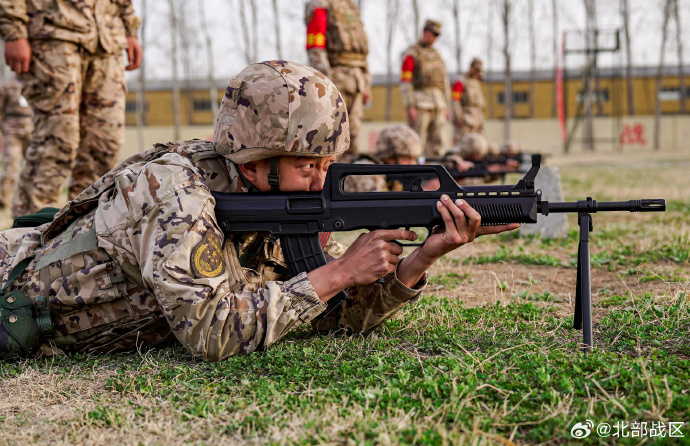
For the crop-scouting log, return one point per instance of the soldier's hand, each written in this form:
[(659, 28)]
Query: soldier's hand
[(366, 97), (461, 226), (134, 53), (412, 114), (18, 55), (373, 255)]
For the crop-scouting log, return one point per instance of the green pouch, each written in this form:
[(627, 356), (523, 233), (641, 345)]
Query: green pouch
[(45, 215), (22, 325)]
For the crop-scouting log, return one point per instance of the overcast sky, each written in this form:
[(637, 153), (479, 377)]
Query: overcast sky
[(478, 17)]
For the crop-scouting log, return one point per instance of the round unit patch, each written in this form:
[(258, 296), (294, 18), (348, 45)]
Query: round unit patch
[(207, 257)]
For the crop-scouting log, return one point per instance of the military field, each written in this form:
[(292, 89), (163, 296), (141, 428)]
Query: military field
[(487, 356)]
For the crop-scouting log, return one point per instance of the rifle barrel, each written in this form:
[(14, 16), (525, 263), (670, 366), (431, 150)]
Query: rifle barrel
[(592, 206)]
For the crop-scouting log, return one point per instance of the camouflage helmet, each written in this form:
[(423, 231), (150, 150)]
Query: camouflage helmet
[(473, 145), (511, 147), (277, 108), (398, 140)]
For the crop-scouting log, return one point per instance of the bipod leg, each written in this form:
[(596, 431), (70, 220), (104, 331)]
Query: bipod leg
[(583, 294)]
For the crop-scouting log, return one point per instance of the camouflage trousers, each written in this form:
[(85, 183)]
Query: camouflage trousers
[(431, 127), (78, 104), (350, 82), (16, 134)]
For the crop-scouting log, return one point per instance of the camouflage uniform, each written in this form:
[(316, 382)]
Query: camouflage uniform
[(392, 142), (467, 107), (152, 263), (424, 85), (337, 46), (15, 115), (76, 89)]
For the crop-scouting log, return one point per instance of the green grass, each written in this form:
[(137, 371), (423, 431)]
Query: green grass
[(439, 371)]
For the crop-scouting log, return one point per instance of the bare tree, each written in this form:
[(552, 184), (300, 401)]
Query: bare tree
[(212, 89), (489, 53), (454, 6), (248, 23), (415, 12), (556, 39), (532, 55), (391, 20), (186, 42), (679, 48), (625, 15), (141, 93), (588, 93), (276, 18), (505, 13), (668, 5), (175, 76)]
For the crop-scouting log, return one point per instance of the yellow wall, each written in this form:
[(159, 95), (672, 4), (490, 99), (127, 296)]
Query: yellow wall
[(160, 104)]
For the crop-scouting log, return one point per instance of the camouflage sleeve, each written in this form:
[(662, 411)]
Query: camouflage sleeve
[(13, 20), (129, 18), (318, 58), (196, 278), (370, 305), (406, 87)]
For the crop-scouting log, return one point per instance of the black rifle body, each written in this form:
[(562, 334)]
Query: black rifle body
[(298, 217)]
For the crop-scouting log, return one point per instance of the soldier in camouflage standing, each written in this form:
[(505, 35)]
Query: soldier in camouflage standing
[(139, 257), (396, 144), (468, 103), (15, 115), (69, 56), (425, 91), (337, 46)]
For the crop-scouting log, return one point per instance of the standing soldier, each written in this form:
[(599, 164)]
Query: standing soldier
[(425, 90), (468, 103), (69, 56), (337, 46), (15, 115)]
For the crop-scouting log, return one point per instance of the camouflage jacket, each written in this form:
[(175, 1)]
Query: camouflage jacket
[(84, 22), (429, 87), (340, 50), (158, 266)]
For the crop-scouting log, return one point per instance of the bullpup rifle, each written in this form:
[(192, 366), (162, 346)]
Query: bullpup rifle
[(298, 218)]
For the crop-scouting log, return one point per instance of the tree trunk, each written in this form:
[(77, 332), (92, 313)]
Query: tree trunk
[(489, 65), (141, 93), (508, 82), (588, 91), (254, 33), (415, 11), (212, 89), (532, 55), (392, 18), (175, 76), (246, 38), (455, 10), (276, 15), (679, 47), (185, 43), (668, 4), (625, 12), (556, 39)]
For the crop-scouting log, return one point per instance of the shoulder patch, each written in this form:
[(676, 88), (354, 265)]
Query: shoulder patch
[(207, 257)]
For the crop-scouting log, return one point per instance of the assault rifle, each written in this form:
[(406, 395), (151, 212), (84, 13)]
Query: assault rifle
[(298, 218), (490, 167)]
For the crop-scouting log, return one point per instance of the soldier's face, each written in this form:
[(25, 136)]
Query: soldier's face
[(297, 173), (407, 160)]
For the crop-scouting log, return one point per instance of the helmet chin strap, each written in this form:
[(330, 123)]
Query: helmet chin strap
[(273, 178)]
